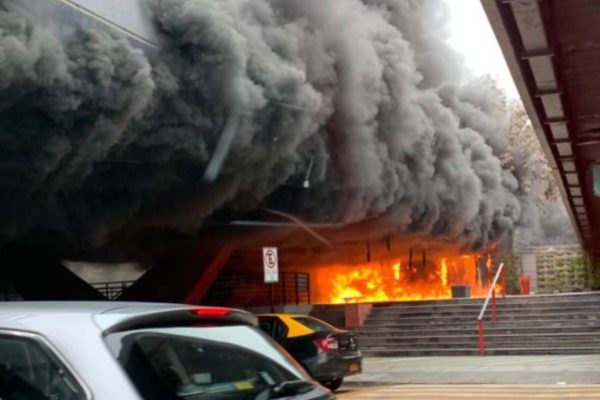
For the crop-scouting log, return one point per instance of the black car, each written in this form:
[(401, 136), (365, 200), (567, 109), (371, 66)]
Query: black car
[(326, 352)]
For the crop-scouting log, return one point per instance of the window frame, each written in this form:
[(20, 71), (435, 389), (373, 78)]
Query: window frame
[(53, 353)]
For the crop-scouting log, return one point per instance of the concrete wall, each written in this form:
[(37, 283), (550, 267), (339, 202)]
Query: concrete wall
[(96, 272), (529, 268)]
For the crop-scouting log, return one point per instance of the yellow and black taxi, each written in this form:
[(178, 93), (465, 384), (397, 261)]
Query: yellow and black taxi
[(326, 352)]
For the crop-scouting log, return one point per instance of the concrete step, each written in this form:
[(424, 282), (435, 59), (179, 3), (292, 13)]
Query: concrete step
[(478, 305), (450, 323), (416, 352), (471, 324), (500, 316), (462, 313), (513, 341), (513, 299), (502, 334), (515, 329), (535, 348), (553, 298), (475, 345), (548, 309), (506, 339)]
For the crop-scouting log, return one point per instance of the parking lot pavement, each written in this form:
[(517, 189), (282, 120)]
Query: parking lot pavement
[(472, 392), (510, 370)]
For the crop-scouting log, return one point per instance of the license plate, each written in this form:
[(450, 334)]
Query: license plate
[(354, 367)]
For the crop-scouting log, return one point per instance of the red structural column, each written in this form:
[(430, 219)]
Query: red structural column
[(184, 274), (481, 338), (504, 282), (211, 272), (494, 305)]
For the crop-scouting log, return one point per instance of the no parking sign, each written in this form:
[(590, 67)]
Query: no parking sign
[(271, 264)]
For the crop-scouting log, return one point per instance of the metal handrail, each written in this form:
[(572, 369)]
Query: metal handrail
[(491, 294)]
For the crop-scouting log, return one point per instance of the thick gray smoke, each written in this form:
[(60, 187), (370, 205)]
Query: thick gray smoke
[(364, 98), (546, 227)]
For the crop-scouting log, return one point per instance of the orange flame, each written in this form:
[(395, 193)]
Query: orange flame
[(397, 268), (444, 272), (395, 281)]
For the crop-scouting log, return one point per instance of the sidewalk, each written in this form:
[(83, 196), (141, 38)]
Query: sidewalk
[(546, 370), (472, 392)]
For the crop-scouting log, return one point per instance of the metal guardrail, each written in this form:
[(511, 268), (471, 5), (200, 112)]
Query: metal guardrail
[(491, 295)]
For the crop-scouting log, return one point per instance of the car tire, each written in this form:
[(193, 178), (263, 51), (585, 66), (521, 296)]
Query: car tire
[(333, 384)]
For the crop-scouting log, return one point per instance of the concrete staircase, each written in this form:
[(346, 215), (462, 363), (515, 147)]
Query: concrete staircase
[(526, 325)]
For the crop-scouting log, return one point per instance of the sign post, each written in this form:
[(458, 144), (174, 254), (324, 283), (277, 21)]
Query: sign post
[(271, 269)]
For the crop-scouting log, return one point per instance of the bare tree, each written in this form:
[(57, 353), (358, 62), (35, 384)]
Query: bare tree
[(526, 153)]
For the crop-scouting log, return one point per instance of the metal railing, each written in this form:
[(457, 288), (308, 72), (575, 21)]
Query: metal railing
[(112, 290), (9, 293), (248, 289), (491, 294)]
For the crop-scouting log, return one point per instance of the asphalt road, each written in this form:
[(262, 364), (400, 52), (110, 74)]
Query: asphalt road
[(472, 392)]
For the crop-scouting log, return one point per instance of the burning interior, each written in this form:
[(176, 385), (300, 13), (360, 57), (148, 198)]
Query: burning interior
[(415, 277), (355, 270)]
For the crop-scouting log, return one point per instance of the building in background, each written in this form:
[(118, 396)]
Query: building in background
[(556, 268)]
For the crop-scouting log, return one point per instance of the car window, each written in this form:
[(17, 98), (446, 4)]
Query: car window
[(29, 371), (267, 325), (315, 324), (273, 327), (233, 362)]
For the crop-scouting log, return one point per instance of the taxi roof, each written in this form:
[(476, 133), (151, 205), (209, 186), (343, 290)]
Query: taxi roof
[(282, 315)]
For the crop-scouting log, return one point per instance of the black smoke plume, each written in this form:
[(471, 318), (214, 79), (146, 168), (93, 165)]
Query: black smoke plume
[(362, 101)]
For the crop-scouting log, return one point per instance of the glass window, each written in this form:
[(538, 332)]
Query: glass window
[(29, 371), (232, 362), (315, 324), (274, 327)]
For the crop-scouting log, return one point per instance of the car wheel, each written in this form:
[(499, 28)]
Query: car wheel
[(333, 384)]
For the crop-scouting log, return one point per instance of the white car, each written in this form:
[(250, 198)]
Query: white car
[(142, 351)]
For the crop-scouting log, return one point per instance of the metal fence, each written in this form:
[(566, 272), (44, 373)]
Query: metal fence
[(112, 290), (9, 293), (247, 290)]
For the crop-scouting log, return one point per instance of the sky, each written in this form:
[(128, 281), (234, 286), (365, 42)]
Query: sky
[(473, 37)]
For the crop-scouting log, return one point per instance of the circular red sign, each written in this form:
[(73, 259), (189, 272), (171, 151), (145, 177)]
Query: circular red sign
[(270, 257)]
